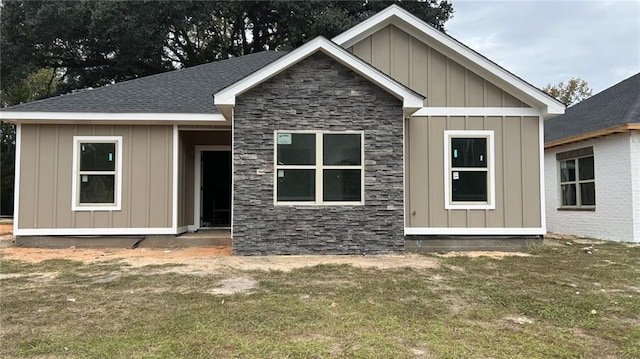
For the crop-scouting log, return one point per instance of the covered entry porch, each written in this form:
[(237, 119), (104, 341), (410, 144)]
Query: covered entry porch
[(204, 181)]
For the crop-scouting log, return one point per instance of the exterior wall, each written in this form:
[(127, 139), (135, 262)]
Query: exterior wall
[(188, 141), (613, 218), (185, 181), (305, 97), (517, 173), (635, 183), (443, 81), (46, 172)]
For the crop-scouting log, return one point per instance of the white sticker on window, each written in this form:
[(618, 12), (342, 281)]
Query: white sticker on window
[(110, 157), (456, 175), (280, 173), (455, 153), (284, 138), (85, 179), (481, 158)]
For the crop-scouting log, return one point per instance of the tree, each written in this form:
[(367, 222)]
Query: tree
[(574, 91), (53, 47), (93, 43), (7, 159)]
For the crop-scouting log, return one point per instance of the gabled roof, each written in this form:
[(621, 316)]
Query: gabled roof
[(395, 15), (411, 99), (616, 109), (185, 91)]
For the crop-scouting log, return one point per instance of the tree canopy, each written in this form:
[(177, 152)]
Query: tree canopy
[(571, 92), (93, 43), (54, 47)]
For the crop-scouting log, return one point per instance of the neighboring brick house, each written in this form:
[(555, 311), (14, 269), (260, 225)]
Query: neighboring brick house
[(390, 135), (592, 166)]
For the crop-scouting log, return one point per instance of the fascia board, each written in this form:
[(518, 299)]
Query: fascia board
[(74, 117), (407, 22), (410, 98)]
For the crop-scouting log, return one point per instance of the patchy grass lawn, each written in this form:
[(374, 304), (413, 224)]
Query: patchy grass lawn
[(560, 303)]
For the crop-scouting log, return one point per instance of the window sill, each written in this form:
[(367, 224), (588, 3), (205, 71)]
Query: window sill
[(577, 209), (470, 206), (316, 204), (95, 208)]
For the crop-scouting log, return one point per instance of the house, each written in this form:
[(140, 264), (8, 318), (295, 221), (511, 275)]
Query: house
[(592, 166), (391, 135)]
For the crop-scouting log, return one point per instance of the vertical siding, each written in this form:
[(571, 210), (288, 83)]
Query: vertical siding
[(425, 70), (46, 173), (517, 174)]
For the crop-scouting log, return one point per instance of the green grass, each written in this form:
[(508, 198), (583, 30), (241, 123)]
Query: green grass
[(465, 308)]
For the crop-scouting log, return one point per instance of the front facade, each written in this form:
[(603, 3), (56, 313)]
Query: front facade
[(592, 166), (390, 131)]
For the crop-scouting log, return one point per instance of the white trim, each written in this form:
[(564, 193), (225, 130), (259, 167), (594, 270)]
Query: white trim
[(182, 229), (233, 176), (92, 231), (75, 188), (477, 111), (543, 209), (174, 215), (404, 172), (16, 187), (460, 231), (227, 97), (54, 117), (319, 168), (406, 21), (491, 183), (197, 168)]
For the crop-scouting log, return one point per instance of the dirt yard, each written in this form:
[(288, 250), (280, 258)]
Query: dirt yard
[(204, 259)]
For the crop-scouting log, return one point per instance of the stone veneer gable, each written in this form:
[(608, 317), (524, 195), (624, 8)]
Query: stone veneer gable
[(317, 93)]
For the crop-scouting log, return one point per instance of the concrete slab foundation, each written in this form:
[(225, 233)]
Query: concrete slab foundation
[(470, 243), (204, 238)]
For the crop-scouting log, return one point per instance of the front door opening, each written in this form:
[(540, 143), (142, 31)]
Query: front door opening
[(215, 203)]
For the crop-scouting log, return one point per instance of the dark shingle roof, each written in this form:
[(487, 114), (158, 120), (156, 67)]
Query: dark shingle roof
[(186, 90), (617, 105)]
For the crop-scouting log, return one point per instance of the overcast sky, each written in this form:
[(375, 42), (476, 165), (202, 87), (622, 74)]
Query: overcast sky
[(550, 41)]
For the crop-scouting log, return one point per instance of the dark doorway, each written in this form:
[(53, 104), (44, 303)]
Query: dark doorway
[(216, 189)]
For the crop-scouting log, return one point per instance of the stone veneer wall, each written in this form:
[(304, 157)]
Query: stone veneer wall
[(318, 93)]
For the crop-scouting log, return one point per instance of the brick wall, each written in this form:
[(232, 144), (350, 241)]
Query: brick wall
[(635, 182), (317, 94), (614, 215)]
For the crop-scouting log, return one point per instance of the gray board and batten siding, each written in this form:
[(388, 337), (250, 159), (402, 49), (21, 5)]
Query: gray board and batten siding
[(443, 81), (46, 163)]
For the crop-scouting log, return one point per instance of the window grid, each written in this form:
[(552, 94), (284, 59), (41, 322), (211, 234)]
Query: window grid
[(319, 168), (577, 183), (449, 135), (78, 174)]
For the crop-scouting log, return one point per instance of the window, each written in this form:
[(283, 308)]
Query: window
[(319, 167), (577, 178), (96, 173), (469, 180)]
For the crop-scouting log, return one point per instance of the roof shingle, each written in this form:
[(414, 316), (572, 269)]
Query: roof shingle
[(188, 90), (617, 105)]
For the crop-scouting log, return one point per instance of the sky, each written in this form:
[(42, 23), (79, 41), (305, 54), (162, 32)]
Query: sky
[(545, 42)]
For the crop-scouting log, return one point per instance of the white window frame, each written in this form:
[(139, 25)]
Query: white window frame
[(319, 168), (490, 169), (75, 190), (577, 182)]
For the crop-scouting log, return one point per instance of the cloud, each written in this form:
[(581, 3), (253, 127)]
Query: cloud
[(548, 42)]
